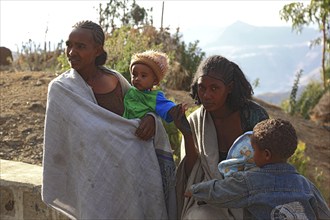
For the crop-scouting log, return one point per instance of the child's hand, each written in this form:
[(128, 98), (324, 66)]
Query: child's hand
[(146, 129), (179, 118), (188, 194)]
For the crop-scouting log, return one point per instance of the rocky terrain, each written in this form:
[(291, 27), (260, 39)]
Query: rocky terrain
[(23, 103)]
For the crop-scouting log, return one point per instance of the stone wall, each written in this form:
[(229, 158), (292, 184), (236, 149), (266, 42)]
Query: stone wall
[(20, 193)]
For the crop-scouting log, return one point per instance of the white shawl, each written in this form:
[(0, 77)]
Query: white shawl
[(94, 167), (205, 168)]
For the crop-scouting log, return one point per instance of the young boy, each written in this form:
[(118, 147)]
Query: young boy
[(273, 191)]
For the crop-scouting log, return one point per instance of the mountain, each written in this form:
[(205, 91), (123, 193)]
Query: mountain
[(242, 34), (273, 55)]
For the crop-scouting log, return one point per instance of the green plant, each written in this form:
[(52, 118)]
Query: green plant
[(293, 95), (309, 98), (126, 41), (33, 58), (285, 105), (299, 160), (174, 138), (190, 57), (63, 62), (256, 83), (317, 12), (115, 14)]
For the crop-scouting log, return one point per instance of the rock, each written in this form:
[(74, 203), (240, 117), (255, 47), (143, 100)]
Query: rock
[(6, 57), (321, 112)]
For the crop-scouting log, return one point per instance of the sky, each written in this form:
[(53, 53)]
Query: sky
[(44, 21)]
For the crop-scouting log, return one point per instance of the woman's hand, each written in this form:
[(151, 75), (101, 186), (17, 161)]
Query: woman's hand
[(181, 122), (147, 128)]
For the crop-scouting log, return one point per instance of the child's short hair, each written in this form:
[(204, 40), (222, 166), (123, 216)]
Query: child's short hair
[(156, 60), (276, 135)]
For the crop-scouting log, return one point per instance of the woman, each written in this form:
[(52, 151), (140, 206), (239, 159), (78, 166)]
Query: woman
[(226, 112), (94, 165)]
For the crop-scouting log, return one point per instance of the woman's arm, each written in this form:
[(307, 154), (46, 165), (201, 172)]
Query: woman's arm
[(191, 153), (181, 122)]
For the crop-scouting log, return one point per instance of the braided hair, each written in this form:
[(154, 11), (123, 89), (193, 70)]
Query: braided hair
[(222, 69), (98, 37)]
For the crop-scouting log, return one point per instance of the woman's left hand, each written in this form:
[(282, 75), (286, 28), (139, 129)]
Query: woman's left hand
[(147, 127)]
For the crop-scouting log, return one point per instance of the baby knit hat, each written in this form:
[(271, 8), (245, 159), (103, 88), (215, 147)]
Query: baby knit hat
[(156, 60)]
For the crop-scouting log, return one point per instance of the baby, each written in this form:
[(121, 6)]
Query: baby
[(147, 70)]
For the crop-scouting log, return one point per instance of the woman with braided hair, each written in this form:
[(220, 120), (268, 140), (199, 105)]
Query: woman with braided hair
[(226, 112), (96, 163)]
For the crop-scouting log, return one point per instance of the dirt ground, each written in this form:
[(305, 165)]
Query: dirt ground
[(23, 103)]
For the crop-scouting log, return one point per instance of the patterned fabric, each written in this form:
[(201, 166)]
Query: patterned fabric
[(240, 156), (168, 172), (252, 114)]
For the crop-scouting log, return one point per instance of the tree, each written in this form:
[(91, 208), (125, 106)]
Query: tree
[(117, 13), (124, 42), (317, 12)]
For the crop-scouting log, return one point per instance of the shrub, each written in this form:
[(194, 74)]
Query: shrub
[(309, 98), (298, 159)]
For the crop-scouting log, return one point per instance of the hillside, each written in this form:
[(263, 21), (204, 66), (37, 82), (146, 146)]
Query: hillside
[(23, 100)]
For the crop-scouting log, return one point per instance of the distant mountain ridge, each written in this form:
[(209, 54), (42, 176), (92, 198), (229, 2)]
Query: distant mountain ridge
[(242, 34), (273, 55)]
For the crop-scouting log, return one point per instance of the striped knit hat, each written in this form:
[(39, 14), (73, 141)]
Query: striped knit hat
[(157, 61)]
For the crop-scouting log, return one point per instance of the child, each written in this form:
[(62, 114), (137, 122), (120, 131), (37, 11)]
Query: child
[(273, 191), (240, 156), (147, 70)]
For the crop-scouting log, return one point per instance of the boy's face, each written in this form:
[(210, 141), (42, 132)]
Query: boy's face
[(142, 77), (260, 155)]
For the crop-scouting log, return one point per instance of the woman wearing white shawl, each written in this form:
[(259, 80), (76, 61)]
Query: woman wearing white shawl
[(227, 111), (94, 166)]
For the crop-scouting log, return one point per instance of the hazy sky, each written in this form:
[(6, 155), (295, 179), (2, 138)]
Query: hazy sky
[(52, 20)]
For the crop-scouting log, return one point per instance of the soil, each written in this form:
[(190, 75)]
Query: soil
[(23, 103)]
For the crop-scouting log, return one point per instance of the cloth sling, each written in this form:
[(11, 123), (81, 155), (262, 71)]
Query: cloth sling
[(94, 167)]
